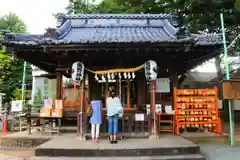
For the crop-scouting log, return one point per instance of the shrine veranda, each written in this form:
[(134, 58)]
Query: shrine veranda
[(120, 44)]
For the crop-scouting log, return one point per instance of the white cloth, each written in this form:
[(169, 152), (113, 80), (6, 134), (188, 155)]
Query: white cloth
[(114, 106), (120, 111), (95, 128)]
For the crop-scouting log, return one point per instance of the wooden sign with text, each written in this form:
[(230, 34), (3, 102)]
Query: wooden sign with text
[(231, 89)]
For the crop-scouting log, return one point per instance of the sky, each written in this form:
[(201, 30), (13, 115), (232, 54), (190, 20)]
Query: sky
[(38, 15)]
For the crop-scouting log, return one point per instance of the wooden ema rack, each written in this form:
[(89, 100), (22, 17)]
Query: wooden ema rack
[(197, 108)]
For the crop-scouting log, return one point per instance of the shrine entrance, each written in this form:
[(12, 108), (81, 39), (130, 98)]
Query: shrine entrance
[(108, 41)]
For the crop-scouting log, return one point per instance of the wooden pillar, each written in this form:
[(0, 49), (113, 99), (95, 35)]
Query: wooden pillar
[(174, 85), (106, 92), (59, 87), (128, 94), (175, 80), (153, 109), (86, 91), (140, 92), (153, 96), (75, 91), (82, 116), (82, 95)]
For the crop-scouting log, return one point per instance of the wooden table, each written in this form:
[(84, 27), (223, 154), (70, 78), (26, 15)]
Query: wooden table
[(42, 118)]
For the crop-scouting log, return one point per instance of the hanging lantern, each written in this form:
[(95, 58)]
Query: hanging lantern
[(77, 71), (151, 70)]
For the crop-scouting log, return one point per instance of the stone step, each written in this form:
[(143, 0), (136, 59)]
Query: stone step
[(170, 157), (115, 152), (72, 147)]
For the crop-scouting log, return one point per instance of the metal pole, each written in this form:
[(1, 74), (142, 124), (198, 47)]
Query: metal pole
[(227, 77), (23, 92)]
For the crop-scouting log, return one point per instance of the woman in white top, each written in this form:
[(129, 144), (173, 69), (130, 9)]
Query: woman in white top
[(114, 108)]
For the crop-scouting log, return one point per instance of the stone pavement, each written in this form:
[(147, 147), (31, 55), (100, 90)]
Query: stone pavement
[(6, 157), (211, 152), (220, 152)]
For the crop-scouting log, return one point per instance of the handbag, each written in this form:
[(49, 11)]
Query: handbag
[(89, 111)]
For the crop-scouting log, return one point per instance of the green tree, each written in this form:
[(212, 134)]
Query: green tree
[(197, 15), (11, 68)]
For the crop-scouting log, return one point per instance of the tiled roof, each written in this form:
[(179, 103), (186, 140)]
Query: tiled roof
[(113, 28), (117, 16)]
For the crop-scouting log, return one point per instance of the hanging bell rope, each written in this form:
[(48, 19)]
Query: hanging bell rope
[(122, 70)]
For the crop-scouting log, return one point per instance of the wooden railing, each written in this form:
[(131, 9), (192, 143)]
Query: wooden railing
[(127, 126)]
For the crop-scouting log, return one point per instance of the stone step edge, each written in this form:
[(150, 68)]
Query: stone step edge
[(173, 157)]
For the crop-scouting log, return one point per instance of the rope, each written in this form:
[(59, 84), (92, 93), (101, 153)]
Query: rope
[(121, 70)]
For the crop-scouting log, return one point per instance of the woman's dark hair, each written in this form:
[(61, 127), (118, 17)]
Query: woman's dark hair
[(112, 94)]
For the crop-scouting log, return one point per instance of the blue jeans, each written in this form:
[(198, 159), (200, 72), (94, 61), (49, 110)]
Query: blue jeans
[(113, 124)]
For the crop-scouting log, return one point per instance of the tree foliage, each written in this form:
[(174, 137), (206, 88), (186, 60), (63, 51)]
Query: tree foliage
[(197, 15), (11, 68)]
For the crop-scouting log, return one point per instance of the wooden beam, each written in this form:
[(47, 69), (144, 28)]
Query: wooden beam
[(128, 94)]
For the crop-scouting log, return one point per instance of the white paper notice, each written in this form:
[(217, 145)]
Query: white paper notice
[(163, 85), (148, 108), (16, 106), (158, 108), (139, 117), (168, 109), (59, 104)]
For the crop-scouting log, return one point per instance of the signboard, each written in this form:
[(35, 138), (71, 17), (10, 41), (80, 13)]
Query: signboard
[(16, 106), (139, 117), (231, 89), (162, 85)]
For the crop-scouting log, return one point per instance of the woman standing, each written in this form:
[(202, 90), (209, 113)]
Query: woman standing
[(114, 108), (96, 119)]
